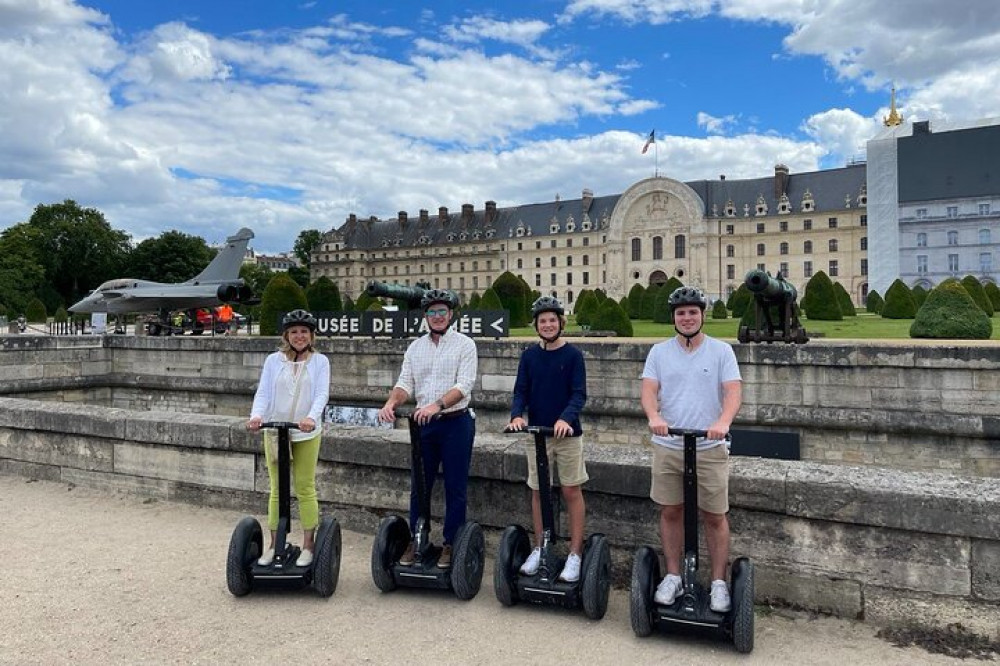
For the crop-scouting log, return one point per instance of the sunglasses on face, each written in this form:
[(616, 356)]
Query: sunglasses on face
[(438, 312)]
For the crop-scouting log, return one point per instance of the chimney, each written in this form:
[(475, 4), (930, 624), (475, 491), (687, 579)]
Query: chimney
[(922, 127), (780, 180), (352, 218), (443, 215), (491, 212), (467, 212), (402, 217), (722, 176), (588, 199), (423, 216)]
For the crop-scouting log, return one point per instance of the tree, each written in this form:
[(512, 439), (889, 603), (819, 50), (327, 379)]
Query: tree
[(307, 241), (323, 296), (474, 301), (993, 293), (844, 300), (77, 248), (975, 289), (919, 295), (874, 302), (349, 305), (300, 275), (821, 301), (170, 257), (671, 284), (740, 301), (623, 302), (949, 312), (662, 314), (61, 316), (611, 317), (899, 303), (513, 294), (281, 295), (635, 301), (490, 301), (649, 302), (35, 312), (719, 310), (21, 271), (256, 276), (586, 307)]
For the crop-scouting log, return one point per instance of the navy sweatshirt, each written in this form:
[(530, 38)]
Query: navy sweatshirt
[(551, 385)]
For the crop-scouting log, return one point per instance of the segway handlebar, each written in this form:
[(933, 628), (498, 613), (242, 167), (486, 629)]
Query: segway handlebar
[(541, 430), (681, 432), (407, 413), (280, 424)]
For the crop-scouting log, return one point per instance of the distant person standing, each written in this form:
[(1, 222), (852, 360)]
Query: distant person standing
[(691, 381), (439, 370), (551, 386)]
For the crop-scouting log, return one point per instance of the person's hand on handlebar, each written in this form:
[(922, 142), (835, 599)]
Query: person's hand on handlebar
[(562, 429), (253, 425), (307, 424), (517, 424), (427, 412), (658, 426), (718, 430)]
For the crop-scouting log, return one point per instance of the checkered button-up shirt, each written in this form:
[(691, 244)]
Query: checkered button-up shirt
[(431, 370)]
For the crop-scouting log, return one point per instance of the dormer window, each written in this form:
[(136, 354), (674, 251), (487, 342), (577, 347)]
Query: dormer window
[(519, 231), (451, 237), (475, 235), (730, 209), (491, 233), (784, 207), (808, 204), (463, 236), (863, 196), (585, 225), (761, 205), (554, 228), (570, 224)]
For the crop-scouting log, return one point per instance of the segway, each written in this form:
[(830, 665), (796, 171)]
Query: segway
[(468, 552), (544, 587), (243, 572), (691, 608)]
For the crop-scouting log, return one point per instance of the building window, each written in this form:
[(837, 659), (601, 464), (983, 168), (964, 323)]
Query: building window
[(921, 239), (952, 211), (569, 241), (475, 266), (783, 225), (864, 267), (952, 238), (864, 220), (657, 247), (833, 222), (569, 260), (586, 242), (586, 277), (953, 263), (784, 269), (807, 269), (921, 264), (569, 278), (538, 262), (569, 296), (833, 245), (730, 272), (985, 262), (552, 279), (538, 245), (538, 279), (586, 260), (807, 247), (730, 229), (834, 269), (760, 267), (984, 209), (636, 249), (552, 262), (519, 247), (730, 250), (760, 227), (807, 225), (475, 282), (680, 248), (520, 263), (921, 213), (761, 249), (984, 236), (783, 248), (864, 242), (552, 243)]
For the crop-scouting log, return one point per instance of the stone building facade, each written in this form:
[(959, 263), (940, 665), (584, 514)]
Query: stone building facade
[(707, 233)]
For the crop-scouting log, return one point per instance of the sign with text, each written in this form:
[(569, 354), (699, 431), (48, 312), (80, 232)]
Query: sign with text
[(396, 324)]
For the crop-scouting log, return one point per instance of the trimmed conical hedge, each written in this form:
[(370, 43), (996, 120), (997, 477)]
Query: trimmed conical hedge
[(611, 317), (993, 293), (975, 289), (919, 295), (821, 302), (586, 307), (635, 301), (741, 301), (899, 303), (282, 294), (844, 300), (719, 310), (949, 312), (874, 302)]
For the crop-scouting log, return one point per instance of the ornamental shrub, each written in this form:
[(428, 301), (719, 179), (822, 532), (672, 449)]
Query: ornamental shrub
[(611, 317), (844, 300), (35, 312), (324, 296), (635, 301), (282, 294), (993, 293), (874, 302), (919, 295), (821, 302), (949, 312), (899, 303), (719, 310), (975, 289), (741, 301), (586, 308)]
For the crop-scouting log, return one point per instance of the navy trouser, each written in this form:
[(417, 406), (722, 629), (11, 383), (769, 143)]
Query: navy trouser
[(446, 443)]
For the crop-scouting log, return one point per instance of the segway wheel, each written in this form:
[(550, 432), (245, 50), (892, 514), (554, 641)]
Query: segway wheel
[(245, 546), (326, 566), (645, 574), (468, 561), (390, 542), (743, 595), (596, 577), (513, 551)]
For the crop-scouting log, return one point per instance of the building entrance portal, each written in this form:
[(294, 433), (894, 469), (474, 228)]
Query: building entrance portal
[(659, 278)]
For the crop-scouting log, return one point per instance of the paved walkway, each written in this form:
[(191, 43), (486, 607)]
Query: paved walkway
[(93, 578)]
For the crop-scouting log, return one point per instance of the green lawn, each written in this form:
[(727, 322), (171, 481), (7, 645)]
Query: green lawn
[(864, 327)]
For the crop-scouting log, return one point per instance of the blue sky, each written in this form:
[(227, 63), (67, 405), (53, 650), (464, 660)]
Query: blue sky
[(282, 116)]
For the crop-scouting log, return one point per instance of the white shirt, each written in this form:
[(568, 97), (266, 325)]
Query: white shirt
[(277, 377), (431, 370)]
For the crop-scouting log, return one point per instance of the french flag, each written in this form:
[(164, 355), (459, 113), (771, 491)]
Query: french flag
[(651, 139)]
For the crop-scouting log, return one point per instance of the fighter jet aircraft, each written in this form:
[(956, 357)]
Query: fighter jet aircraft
[(218, 283)]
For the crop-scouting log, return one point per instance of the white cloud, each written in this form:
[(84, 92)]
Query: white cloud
[(636, 11), (842, 131), (714, 125)]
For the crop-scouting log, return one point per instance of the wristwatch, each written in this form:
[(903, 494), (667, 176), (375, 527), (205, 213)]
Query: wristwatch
[(440, 403)]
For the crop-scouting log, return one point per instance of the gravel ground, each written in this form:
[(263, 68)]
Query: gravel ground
[(93, 578)]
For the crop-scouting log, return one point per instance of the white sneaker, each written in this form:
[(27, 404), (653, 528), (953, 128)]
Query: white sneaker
[(305, 558), (530, 566), (571, 572), (668, 590), (266, 559), (720, 597)]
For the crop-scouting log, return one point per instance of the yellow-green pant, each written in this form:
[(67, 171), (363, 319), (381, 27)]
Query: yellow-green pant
[(304, 457)]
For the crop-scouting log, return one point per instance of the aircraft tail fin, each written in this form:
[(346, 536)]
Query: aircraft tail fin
[(226, 264)]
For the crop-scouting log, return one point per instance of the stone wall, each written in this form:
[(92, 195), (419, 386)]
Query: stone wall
[(878, 403), (888, 546)]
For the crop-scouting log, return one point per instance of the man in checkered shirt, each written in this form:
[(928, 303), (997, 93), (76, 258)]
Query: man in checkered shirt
[(439, 370)]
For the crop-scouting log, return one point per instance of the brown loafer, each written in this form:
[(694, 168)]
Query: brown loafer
[(444, 562)]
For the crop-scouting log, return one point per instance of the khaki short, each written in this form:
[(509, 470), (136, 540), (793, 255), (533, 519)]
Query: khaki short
[(567, 454), (713, 478)]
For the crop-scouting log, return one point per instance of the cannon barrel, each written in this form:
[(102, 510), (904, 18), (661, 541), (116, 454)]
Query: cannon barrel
[(776, 290), (399, 292)]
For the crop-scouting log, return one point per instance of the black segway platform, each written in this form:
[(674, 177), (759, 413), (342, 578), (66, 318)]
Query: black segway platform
[(244, 573), (691, 609), (544, 587), (464, 576)]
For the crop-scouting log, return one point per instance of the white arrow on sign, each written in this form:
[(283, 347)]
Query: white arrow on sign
[(497, 325)]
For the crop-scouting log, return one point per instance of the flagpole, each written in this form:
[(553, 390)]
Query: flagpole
[(656, 159)]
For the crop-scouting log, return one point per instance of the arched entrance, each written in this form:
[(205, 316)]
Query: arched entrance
[(659, 278)]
